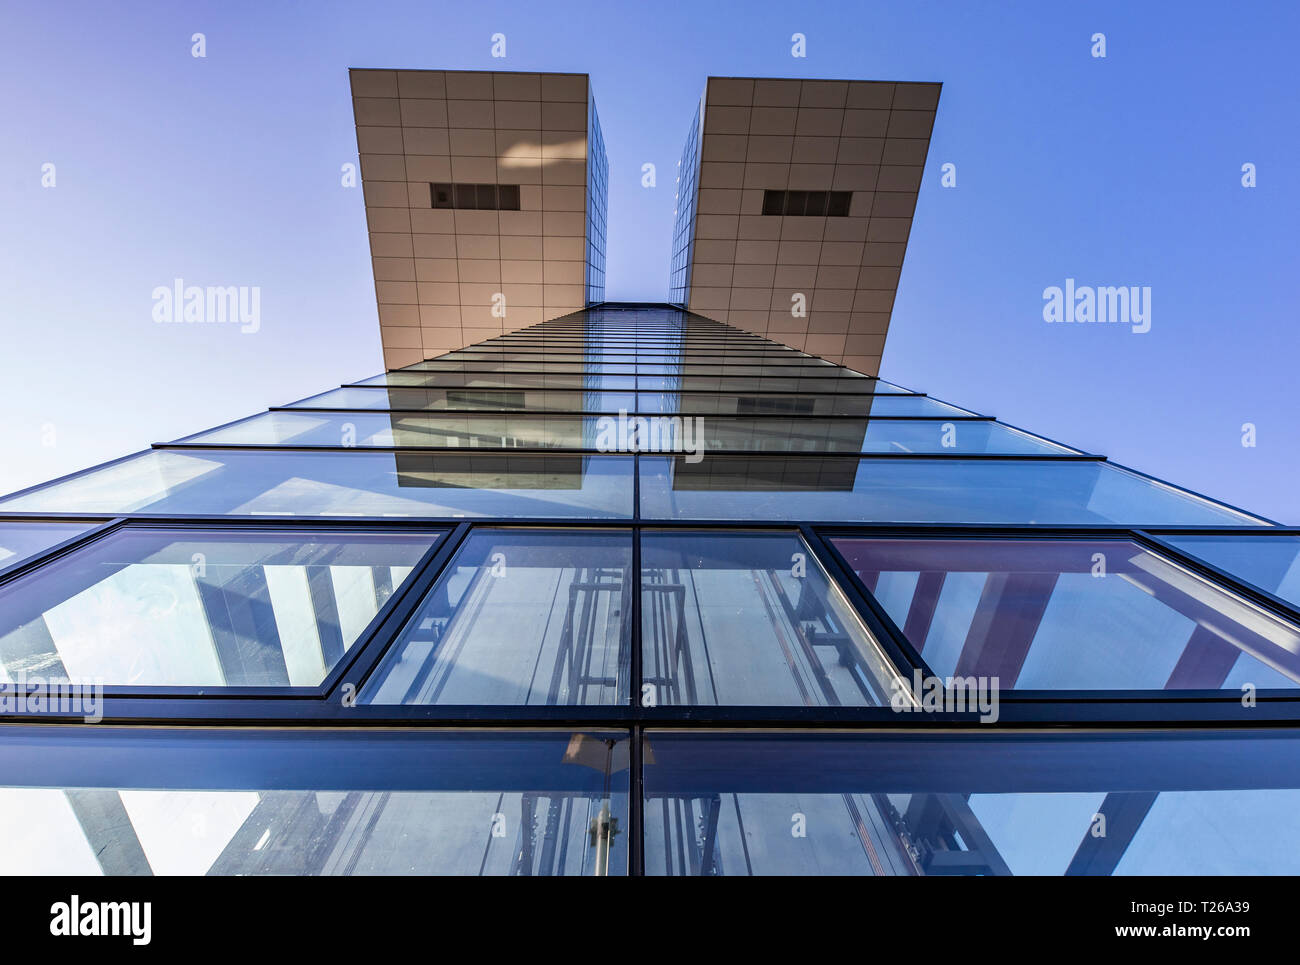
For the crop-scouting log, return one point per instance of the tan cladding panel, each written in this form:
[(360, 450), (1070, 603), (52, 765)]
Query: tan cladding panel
[(821, 284), (449, 277)]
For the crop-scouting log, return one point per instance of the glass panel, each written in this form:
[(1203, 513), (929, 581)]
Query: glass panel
[(1270, 562), (349, 429), (344, 483), (575, 366), (530, 400), (489, 380), (520, 617), (910, 804), (734, 369), (775, 434), (118, 801), (751, 618), (843, 488), (810, 404), (202, 607), (766, 383), (18, 541), (811, 434), (1072, 614)]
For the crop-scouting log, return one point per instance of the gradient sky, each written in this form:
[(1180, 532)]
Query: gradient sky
[(226, 171)]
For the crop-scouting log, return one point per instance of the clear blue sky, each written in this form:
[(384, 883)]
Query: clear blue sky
[(225, 171)]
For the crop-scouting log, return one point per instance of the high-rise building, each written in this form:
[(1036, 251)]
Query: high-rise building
[(625, 588)]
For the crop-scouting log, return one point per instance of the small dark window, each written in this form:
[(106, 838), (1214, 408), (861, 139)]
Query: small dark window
[(475, 197), (807, 203), (467, 196)]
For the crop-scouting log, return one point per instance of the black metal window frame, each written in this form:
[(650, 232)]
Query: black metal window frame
[(329, 703)]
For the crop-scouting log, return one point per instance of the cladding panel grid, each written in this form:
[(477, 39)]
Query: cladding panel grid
[(446, 277), (812, 281)]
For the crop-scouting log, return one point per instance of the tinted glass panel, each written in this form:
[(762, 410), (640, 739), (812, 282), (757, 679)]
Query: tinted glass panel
[(721, 433), (466, 196), (520, 617), (842, 488), (741, 403), (491, 380), (1046, 614), (107, 800), (576, 367), (812, 434), (908, 804), (18, 541), (750, 618), (471, 400), (348, 429), (202, 607), (765, 383), (344, 483), (1268, 561)]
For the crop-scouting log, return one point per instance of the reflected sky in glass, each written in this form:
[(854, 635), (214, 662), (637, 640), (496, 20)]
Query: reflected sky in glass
[(846, 489), (206, 607), (344, 483), (1078, 614)]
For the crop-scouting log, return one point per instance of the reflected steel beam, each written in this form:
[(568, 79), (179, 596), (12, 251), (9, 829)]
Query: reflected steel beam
[(921, 612), (1124, 812), (1006, 621), (241, 619), (108, 831), (1205, 662)]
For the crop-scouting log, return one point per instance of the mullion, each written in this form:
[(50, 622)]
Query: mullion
[(1251, 591), (366, 653)]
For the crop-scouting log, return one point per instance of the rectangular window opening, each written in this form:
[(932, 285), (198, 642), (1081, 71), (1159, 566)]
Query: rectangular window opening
[(475, 197)]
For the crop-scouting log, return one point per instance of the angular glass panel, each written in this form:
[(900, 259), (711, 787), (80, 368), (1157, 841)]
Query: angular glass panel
[(574, 366), (886, 406), (1072, 614), (20, 540), (751, 618), (519, 617), (202, 607), (408, 430), (844, 488), (349, 482), (471, 400), (139, 801), (487, 431), (734, 369), (489, 380), (764, 383), (1269, 561), (937, 804), (814, 435)]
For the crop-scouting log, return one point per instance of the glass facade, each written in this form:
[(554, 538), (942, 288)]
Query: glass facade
[(685, 195), (635, 592), (597, 204)]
